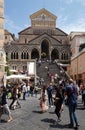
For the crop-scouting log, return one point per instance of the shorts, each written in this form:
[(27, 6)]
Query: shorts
[(5, 110)]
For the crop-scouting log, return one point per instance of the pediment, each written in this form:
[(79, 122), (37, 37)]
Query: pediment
[(42, 37), (43, 14)]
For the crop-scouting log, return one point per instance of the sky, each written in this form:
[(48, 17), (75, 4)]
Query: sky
[(70, 14)]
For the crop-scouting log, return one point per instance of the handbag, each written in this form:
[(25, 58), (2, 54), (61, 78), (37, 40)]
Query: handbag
[(55, 102)]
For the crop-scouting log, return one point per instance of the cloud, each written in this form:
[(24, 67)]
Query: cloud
[(78, 25), (10, 25), (71, 1), (62, 20)]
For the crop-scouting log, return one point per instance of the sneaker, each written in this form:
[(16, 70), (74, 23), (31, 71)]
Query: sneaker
[(70, 126), (52, 106), (13, 107), (76, 127)]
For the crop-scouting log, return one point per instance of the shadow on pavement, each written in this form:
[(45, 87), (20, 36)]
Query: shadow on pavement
[(54, 124), (48, 120), (40, 112), (60, 126), (3, 121)]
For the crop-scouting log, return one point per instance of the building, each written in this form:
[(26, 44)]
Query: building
[(42, 41), (76, 39), (2, 53), (9, 37), (77, 67)]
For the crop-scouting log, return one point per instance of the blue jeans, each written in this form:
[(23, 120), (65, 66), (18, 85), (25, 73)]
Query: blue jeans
[(50, 99), (72, 114), (24, 95)]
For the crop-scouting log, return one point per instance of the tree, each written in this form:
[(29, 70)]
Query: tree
[(7, 67)]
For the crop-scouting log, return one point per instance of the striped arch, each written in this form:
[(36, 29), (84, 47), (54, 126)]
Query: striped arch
[(54, 54), (14, 55), (24, 55), (34, 54)]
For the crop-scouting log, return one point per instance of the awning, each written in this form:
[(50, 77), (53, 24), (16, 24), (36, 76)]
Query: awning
[(17, 77)]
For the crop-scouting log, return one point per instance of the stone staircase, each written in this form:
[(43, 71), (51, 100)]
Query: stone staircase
[(42, 70), (53, 68)]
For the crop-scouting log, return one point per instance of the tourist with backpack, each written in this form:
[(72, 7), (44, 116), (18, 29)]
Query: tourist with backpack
[(72, 93)]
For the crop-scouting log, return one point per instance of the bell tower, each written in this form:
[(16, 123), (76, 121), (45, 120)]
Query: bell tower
[(2, 52)]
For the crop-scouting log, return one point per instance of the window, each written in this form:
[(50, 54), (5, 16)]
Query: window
[(14, 67), (81, 40), (14, 55), (5, 37)]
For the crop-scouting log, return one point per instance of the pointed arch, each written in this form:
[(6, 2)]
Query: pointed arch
[(12, 55), (34, 54), (45, 49), (54, 54)]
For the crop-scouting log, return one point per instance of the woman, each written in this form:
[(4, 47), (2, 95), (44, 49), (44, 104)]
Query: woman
[(58, 103), (43, 99), (3, 104)]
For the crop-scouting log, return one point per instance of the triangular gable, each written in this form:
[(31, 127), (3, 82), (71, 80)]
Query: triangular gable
[(45, 35), (43, 12)]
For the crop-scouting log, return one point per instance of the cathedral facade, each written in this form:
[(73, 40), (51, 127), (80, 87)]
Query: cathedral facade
[(42, 41)]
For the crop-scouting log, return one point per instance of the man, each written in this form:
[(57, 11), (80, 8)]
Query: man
[(24, 90), (72, 93), (50, 93)]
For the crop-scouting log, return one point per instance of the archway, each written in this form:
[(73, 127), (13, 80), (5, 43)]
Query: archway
[(34, 54), (44, 49), (54, 54)]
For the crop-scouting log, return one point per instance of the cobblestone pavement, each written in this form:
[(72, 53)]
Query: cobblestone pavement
[(28, 117)]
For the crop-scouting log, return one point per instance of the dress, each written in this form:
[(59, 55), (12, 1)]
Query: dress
[(43, 102)]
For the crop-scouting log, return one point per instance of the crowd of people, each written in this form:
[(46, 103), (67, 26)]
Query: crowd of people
[(50, 96), (16, 92), (65, 93)]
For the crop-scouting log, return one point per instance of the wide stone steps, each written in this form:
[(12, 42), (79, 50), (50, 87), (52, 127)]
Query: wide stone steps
[(42, 72)]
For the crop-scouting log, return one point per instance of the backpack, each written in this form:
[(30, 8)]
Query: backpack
[(72, 95)]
